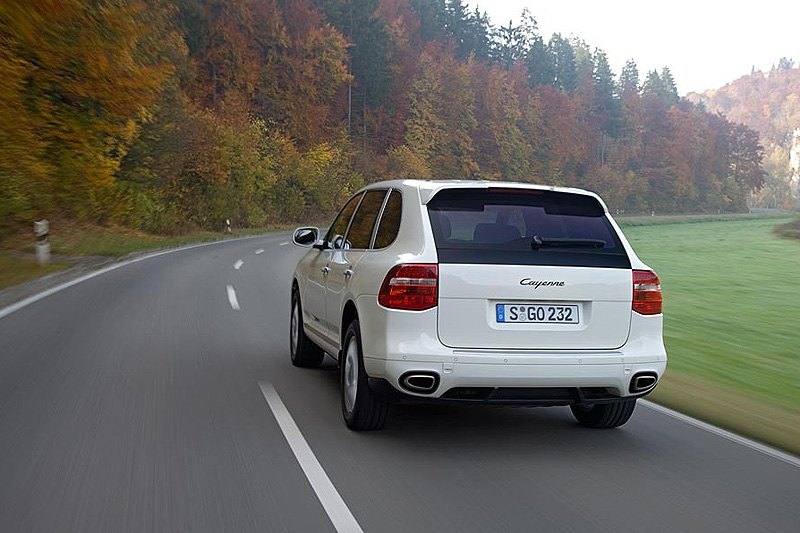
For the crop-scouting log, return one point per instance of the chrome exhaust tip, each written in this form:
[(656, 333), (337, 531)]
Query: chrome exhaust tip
[(421, 382), (643, 381)]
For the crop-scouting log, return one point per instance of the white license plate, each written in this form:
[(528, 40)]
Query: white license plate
[(535, 313)]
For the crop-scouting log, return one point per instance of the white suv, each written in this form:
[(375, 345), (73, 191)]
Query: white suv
[(478, 292)]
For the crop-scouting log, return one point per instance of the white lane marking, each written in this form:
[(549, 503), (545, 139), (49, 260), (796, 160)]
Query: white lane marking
[(259, 251), (4, 312), (284, 243), (341, 517), (757, 446), (232, 298), (238, 264)]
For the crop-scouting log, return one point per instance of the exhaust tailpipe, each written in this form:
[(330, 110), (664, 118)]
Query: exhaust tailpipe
[(643, 381), (421, 382)]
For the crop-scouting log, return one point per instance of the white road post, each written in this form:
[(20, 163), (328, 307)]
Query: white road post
[(42, 231), (228, 225)]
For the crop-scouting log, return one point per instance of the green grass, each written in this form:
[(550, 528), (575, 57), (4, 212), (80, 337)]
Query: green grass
[(14, 270), (731, 314)]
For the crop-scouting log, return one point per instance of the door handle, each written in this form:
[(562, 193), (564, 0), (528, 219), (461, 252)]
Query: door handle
[(348, 273), (325, 270)]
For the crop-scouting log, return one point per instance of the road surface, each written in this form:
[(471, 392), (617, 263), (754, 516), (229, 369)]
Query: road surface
[(135, 401)]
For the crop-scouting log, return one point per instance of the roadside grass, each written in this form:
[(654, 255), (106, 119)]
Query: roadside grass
[(76, 239), (15, 270), (731, 323)]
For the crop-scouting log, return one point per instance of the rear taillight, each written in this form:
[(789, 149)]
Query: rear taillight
[(646, 292), (411, 287)]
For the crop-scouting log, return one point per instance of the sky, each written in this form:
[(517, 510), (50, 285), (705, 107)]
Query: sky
[(705, 44)]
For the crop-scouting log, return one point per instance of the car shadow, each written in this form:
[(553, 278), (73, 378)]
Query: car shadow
[(512, 431)]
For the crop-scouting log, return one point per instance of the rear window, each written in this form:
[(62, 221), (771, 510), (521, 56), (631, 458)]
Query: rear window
[(525, 227)]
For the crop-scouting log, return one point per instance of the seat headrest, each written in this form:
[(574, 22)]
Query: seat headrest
[(446, 226), (495, 233)]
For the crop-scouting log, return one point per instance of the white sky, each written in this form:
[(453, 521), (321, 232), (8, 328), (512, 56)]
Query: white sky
[(706, 44)]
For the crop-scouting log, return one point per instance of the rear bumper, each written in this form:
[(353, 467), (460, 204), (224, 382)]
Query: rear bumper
[(518, 396), (494, 382)]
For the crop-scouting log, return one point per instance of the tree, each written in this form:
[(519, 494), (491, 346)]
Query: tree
[(514, 42), (746, 156), (670, 89), (605, 91), (540, 63), (653, 86), (563, 63), (309, 71), (500, 143), (441, 115), (629, 78), (78, 73)]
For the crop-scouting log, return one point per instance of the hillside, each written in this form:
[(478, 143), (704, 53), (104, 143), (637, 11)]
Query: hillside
[(770, 104), (169, 116)]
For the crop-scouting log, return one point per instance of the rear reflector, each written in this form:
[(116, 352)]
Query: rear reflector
[(410, 287), (647, 298)]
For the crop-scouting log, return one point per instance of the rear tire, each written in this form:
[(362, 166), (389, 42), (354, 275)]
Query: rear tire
[(303, 351), (604, 415), (361, 409)]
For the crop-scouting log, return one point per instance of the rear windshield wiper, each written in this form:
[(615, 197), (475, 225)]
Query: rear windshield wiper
[(541, 242)]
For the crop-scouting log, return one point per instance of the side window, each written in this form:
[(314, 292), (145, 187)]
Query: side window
[(360, 232), (335, 238), (390, 221)]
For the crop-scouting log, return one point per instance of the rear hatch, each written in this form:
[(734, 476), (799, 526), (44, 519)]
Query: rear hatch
[(529, 269)]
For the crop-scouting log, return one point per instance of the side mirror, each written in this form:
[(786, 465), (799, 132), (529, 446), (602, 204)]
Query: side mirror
[(305, 236)]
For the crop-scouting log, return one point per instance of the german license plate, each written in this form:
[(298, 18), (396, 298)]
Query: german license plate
[(538, 314)]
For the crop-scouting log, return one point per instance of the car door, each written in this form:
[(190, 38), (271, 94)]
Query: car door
[(314, 299), (344, 258)]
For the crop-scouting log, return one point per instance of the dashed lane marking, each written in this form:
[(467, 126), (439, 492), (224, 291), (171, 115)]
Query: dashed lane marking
[(232, 298)]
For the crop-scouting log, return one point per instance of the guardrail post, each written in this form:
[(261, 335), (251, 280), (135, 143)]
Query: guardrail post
[(42, 231)]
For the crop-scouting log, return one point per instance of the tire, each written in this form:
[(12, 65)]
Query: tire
[(361, 409), (604, 415), (303, 351)]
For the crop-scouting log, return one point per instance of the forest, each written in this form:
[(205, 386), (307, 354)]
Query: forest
[(170, 115)]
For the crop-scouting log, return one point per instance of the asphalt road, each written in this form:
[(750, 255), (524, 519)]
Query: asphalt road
[(131, 402)]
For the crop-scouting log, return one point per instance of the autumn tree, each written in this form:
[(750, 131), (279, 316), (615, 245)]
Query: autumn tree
[(441, 118), (75, 69)]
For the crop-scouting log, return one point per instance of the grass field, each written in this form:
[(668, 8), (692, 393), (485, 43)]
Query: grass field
[(732, 322)]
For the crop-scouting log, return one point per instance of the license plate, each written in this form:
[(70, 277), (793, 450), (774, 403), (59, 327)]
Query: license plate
[(538, 314)]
